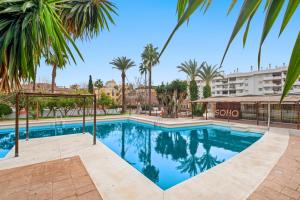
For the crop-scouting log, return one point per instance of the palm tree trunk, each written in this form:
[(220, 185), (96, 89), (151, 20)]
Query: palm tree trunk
[(149, 91), (53, 78), (123, 93)]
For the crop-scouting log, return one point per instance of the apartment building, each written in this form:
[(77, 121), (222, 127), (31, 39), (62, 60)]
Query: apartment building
[(264, 82)]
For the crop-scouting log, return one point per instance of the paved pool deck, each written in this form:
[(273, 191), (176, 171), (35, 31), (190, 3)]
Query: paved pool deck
[(58, 179), (115, 179)]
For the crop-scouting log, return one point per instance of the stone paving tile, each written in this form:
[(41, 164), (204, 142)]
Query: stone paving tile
[(283, 182), (64, 179)]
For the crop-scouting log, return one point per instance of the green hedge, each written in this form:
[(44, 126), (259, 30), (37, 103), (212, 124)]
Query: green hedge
[(5, 110)]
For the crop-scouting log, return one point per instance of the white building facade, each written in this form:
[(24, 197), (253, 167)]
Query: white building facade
[(263, 82)]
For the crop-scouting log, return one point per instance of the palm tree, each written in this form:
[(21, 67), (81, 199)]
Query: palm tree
[(207, 74), (122, 64), (51, 59), (98, 84), (185, 10), (192, 70), (143, 71), (29, 28), (86, 18), (149, 59)]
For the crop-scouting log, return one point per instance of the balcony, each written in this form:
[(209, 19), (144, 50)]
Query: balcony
[(269, 92), (271, 78)]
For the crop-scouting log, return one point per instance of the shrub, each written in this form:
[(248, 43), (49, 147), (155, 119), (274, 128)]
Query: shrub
[(5, 110), (199, 110), (206, 91)]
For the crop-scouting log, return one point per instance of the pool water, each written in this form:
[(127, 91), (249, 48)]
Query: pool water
[(166, 156)]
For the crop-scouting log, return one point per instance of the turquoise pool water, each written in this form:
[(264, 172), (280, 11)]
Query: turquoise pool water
[(167, 156)]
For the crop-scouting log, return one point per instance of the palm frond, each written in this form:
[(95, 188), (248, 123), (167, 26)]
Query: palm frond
[(86, 18), (28, 29)]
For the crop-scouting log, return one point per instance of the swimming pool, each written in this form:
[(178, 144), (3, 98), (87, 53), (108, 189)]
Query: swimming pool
[(166, 156)]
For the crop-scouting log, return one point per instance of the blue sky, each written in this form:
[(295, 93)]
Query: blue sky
[(150, 21)]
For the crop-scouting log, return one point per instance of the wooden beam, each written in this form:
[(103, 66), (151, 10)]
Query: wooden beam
[(17, 126), (83, 117), (95, 113), (27, 118), (39, 94), (192, 109), (206, 110)]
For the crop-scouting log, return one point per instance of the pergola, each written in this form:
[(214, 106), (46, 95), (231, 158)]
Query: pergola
[(257, 100), (32, 94)]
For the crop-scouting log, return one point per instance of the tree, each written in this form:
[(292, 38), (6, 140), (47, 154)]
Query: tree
[(5, 110), (30, 28), (65, 105), (171, 96), (90, 85), (51, 59), (206, 91), (86, 18), (98, 84), (150, 58), (123, 64), (207, 74), (75, 87), (105, 101), (192, 70), (185, 10), (143, 71)]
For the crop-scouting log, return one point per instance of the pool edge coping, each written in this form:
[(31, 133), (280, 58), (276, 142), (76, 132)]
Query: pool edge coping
[(181, 187)]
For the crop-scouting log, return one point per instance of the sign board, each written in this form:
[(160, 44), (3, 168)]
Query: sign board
[(228, 110)]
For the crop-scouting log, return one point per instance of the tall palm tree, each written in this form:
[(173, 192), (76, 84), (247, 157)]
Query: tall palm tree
[(29, 28), (149, 59), (86, 18), (143, 71), (98, 84), (192, 70), (185, 9), (123, 64), (51, 59), (207, 74)]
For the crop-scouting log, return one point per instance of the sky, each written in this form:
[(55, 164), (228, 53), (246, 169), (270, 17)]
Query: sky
[(140, 22)]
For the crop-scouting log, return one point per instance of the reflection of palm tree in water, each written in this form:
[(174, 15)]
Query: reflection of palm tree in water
[(123, 141), (190, 164), (171, 144), (207, 161), (193, 164), (148, 170)]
